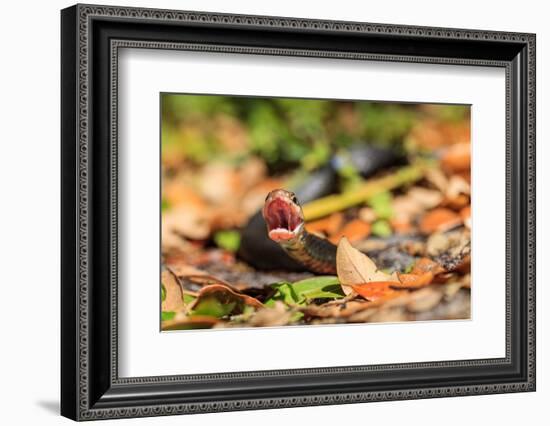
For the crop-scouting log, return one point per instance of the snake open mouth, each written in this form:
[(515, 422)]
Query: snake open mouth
[(283, 217)]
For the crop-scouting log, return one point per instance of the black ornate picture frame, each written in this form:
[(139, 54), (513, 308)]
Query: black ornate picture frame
[(91, 36)]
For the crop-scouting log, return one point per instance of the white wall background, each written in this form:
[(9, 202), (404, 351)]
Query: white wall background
[(29, 211)]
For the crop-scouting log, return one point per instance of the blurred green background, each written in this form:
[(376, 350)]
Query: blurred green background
[(287, 133)]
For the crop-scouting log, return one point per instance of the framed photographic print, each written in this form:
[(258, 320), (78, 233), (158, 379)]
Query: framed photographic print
[(263, 212)]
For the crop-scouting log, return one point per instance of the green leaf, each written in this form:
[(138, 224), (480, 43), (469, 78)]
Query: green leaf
[(284, 292), (247, 312), (381, 228), (162, 292), (409, 268), (295, 317), (187, 299), (324, 287), (318, 155), (165, 205), (381, 204), (301, 292), (212, 307), (167, 315), (189, 323), (228, 240)]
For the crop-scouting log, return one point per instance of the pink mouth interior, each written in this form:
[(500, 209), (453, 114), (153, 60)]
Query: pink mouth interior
[(281, 219)]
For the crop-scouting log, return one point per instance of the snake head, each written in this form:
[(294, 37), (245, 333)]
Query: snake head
[(283, 216)]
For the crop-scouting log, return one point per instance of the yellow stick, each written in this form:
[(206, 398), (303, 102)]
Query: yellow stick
[(338, 202)]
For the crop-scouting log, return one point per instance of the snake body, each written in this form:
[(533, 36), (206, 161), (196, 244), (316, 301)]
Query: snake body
[(315, 253)]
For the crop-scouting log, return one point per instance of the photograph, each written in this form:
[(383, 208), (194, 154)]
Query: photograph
[(267, 209), (302, 212)]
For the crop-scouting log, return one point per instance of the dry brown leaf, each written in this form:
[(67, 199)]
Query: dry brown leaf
[(182, 269), (457, 185), (354, 267), (437, 178), (451, 289), (208, 280), (466, 175), (411, 281), (271, 317), (451, 249), (427, 134), (466, 215), (174, 297), (226, 295), (355, 230), (179, 192), (388, 315), (183, 322), (409, 206), (432, 133), (457, 193), (401, 225), (376, 290), (457, 202), (424, 265), (457, 158), (323, 311), (327, 225), (219, 182), (362, 316), (336, 309), (426, 198), (186, 221), (464, 265), (424, 299), (439, 220)]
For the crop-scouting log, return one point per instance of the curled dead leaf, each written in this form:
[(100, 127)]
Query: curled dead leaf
[(219, 300), (208, 280), (376, 290), (354, 267), (173, 301)]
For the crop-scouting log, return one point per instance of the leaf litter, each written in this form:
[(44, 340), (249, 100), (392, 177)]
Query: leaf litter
[(403, 249)]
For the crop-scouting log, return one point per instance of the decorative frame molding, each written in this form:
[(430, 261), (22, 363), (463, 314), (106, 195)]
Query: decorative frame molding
[(91, 38)]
